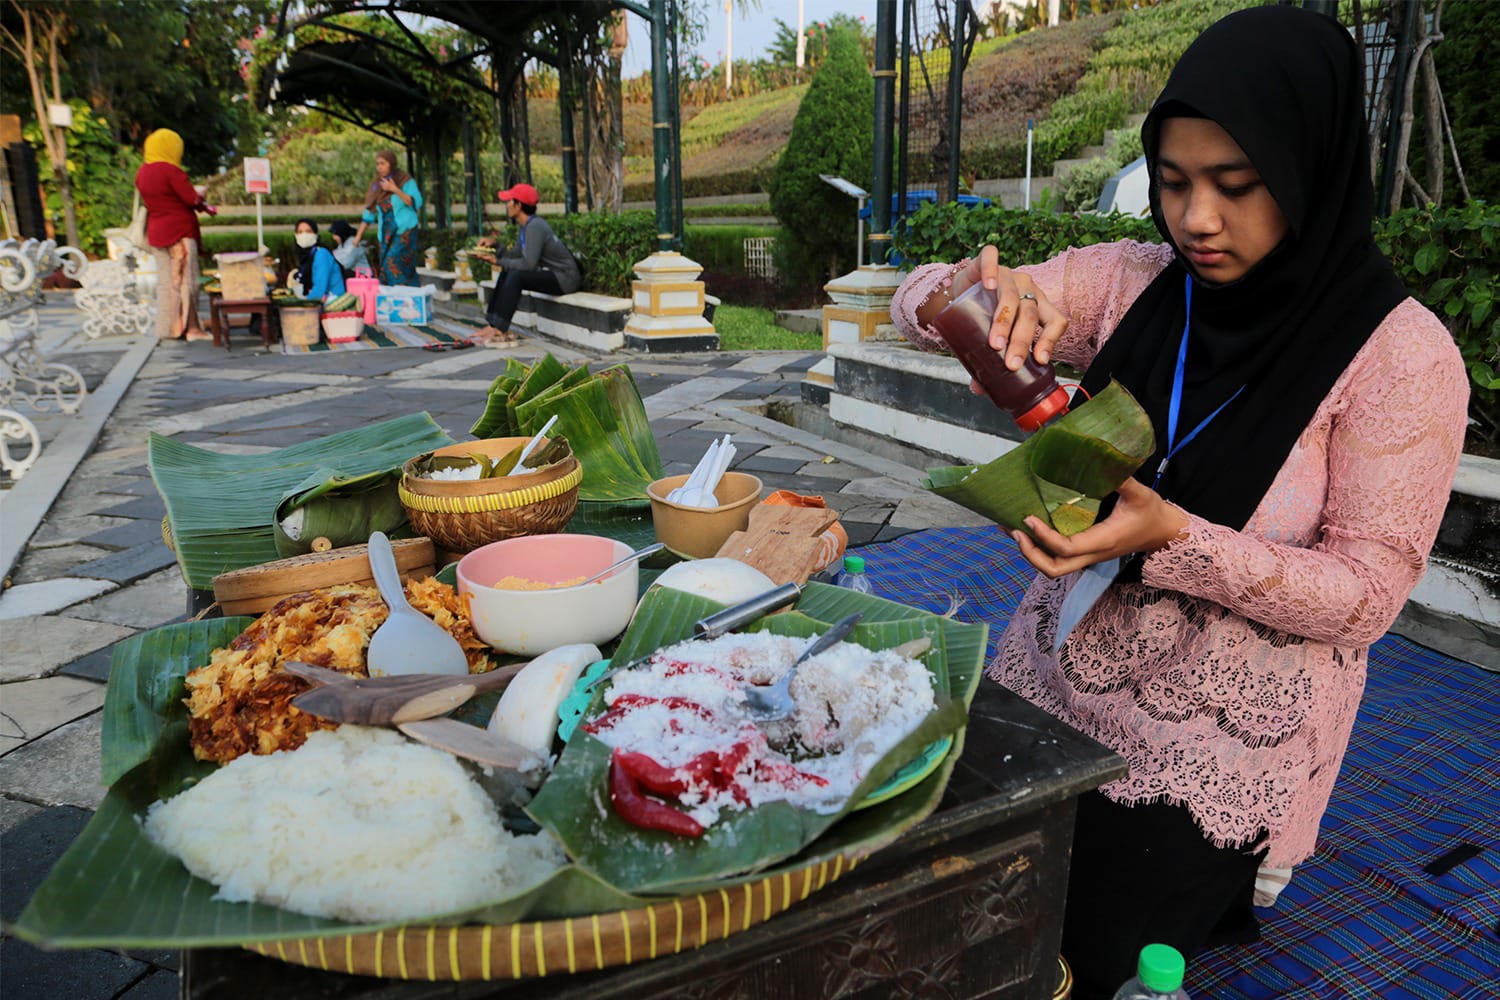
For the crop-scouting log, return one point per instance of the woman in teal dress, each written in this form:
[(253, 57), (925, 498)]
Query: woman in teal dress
[(391, 204)]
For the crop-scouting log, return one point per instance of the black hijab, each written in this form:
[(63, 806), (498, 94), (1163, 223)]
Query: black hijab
[(1286, 84)]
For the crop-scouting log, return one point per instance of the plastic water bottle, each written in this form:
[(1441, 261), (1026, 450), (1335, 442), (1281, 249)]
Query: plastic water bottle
[(853, 575), (1158, 975)]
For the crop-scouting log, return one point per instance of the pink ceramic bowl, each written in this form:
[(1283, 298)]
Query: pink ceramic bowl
[(529, 622)]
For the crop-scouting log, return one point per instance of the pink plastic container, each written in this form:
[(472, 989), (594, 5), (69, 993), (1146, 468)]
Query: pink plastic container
[(368, 289), (530, 622)]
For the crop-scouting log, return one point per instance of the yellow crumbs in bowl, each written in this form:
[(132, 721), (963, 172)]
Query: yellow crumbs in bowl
[(522, 583)]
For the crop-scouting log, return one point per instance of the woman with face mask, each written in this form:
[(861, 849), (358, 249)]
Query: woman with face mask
[(317, 272), (1309, 416)]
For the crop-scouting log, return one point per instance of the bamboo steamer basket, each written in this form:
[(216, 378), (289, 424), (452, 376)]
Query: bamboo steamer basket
[(254, 589), (461, 515)]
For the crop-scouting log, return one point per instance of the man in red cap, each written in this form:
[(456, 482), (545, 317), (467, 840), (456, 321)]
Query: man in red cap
[(539, 262)]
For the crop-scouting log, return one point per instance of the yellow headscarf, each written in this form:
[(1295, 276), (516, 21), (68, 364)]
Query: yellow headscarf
[(164, 146)]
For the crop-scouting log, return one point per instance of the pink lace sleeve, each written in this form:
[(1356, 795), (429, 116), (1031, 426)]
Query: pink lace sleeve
[(1094, 286), (1396, 434), (921, 283)]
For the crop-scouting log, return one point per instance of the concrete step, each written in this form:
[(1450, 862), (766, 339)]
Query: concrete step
[(800, 320), (1010, 192)]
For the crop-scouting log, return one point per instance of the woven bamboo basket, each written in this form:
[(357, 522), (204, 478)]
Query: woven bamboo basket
[(461, 515)]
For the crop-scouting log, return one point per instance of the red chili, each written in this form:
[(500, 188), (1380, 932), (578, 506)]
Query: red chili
[(635, 808), (649, 772), (675, 702), (783, 772)]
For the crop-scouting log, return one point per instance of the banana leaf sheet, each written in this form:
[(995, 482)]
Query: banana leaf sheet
[(1061, 472), (114, 888), (221, 508)]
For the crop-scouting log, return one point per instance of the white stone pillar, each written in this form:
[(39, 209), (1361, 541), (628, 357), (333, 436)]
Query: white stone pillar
[(861, 310), (668, 302)]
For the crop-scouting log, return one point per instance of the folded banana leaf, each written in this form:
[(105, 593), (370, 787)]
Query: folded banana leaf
[(345, 510), (495, 420), (1061, 472), (574, 803), (601, 413), (221, 507), (114, 888)]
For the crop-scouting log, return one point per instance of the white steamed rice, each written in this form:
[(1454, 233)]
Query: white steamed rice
[(359, 824)]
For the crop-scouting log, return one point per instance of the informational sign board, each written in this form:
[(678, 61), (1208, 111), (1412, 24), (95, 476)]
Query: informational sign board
[(257, 175)]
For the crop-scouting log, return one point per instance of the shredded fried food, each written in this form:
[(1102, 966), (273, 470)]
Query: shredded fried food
[(240, 702)]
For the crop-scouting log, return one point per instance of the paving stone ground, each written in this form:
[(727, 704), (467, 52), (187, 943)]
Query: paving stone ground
[(96, 570)]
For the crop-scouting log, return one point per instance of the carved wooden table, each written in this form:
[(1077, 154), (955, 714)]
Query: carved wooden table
[(967, 904)]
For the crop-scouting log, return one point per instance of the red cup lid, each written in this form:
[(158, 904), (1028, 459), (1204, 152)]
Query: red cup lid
[(1055, 404)]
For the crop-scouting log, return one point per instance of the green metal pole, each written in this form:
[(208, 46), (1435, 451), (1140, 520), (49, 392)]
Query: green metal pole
[(679, 223), (473, 184), (569, 153), (661, 124), (442, 203), (956, 94), (885, 114)]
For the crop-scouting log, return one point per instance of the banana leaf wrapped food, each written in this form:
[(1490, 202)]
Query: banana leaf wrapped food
[(343, 509), (1061, 472)]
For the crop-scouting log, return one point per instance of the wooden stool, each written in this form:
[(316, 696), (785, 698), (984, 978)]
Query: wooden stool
[(219, 310)]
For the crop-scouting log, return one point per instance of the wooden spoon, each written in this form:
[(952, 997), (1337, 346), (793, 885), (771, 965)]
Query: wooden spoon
[(473, 743), (379, 701)]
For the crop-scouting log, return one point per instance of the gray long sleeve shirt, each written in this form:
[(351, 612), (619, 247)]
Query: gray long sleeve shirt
[(540, 249)]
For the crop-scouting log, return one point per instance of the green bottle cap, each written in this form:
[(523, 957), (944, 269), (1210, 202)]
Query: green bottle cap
[(854, 564), (1160, 968)]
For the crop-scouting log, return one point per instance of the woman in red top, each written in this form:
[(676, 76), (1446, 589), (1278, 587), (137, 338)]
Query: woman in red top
[(172, 230)]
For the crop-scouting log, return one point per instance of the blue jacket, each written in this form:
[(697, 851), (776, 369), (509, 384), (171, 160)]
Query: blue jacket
[(327, 276), (406, 215)]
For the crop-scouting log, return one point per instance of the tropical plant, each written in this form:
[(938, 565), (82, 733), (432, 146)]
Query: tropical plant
[(101, 175), (831, 135), (1447, 258)]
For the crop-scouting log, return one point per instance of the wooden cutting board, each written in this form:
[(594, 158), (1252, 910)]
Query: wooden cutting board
[(254, 589), (781, 542)]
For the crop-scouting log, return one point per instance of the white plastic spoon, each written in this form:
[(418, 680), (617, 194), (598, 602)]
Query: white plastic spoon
[(695, 479), (520, 466)]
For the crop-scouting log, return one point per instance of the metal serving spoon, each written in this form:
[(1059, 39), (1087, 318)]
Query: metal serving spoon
[(637, 554), (767, 703)]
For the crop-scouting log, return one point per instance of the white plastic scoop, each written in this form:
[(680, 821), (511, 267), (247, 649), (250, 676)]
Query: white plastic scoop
[(531, 446), (408, 642)]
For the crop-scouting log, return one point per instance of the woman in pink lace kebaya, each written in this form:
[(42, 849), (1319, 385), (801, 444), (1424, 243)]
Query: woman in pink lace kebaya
[(1309, 417)]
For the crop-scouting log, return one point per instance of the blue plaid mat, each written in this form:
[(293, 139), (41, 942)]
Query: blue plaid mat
[(1361, 918)]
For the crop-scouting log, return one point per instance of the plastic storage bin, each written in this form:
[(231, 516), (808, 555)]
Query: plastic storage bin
[(404, 304)]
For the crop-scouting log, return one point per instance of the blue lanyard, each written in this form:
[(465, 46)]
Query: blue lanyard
[(1175, 408)]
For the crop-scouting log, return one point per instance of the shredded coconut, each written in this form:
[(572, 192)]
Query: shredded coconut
[(852, 706)]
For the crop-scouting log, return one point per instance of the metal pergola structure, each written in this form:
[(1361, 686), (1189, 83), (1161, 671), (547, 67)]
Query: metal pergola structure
[(355, 81)]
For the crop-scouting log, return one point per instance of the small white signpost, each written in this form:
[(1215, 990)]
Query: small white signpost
[(258, 183)]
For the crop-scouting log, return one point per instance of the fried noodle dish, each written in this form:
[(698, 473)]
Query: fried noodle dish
[(240, 702)]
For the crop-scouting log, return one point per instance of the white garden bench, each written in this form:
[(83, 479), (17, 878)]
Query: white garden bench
[(26, 377)]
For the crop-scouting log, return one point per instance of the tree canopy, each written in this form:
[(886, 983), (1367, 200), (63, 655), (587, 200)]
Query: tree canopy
[(831, 134)]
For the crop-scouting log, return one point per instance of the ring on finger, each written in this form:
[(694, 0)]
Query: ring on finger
[(1028, 295)]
